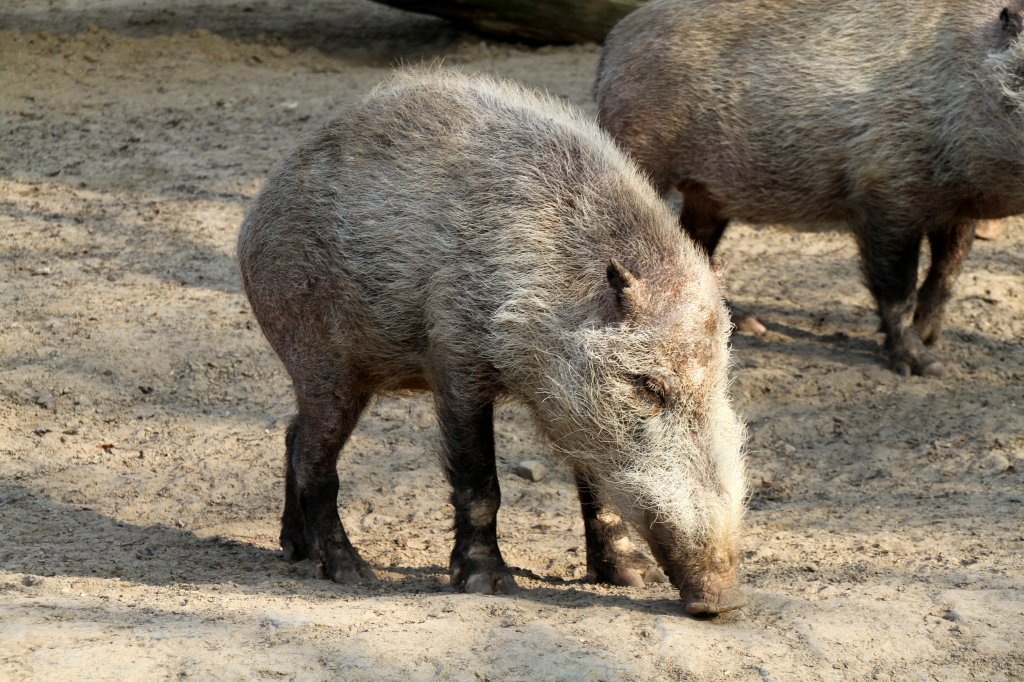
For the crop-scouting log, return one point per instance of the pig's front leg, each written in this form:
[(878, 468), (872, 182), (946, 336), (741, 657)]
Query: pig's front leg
[(467, 430), (611, 556)]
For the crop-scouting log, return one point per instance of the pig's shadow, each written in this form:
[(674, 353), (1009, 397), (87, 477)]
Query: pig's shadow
[(46, 538), (784, 336), (844, 339), (576, 593)]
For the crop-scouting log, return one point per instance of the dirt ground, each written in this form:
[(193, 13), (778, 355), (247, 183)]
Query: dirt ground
[(142, 413)]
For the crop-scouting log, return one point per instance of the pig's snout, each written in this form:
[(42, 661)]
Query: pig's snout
[(707, 582), (712, 593)]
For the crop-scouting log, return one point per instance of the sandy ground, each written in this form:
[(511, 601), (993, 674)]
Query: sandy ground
[(142, 413)]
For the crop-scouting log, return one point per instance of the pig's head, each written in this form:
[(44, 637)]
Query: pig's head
[(990, 127), (639, 405), (1005, 55)]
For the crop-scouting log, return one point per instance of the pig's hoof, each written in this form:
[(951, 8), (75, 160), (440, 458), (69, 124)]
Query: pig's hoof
[(634, 571), (928, 327), (490, 583), (344, 566), (744, 321), (483, 576), (989, 230), (293, 549), (747, 323), (924, 364)]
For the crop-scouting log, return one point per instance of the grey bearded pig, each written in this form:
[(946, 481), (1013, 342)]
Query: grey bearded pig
[(902, 120), (468, 237)]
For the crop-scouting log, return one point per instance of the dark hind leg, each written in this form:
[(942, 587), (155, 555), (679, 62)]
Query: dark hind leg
[(889, 258), (949, 249), (702, 219), (611, 556), (467, 428), (293, 529), (310, 526)]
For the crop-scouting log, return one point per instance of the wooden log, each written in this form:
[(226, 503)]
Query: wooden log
[(557, 21)]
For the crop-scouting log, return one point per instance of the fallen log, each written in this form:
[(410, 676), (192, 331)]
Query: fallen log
[(551, 21)]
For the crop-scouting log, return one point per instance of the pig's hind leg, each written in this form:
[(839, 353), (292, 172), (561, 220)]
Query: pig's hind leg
[(949, 249), (310, 526), (702, 219), (611, 556), (889, 258), (467, 429), (293, 528)]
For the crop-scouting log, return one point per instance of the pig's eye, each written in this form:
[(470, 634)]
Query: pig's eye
[(654, 388)]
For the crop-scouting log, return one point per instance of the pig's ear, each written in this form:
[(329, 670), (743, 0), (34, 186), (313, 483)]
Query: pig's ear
[(624, 287), (1012, 24)]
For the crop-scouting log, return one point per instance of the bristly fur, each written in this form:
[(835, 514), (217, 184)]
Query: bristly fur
[(455, 231), (798, 111)]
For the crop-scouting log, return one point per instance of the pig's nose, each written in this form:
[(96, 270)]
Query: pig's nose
[(714, 593)]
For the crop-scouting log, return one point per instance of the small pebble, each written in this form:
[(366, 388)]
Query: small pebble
[(531, 470), (995, 461)]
